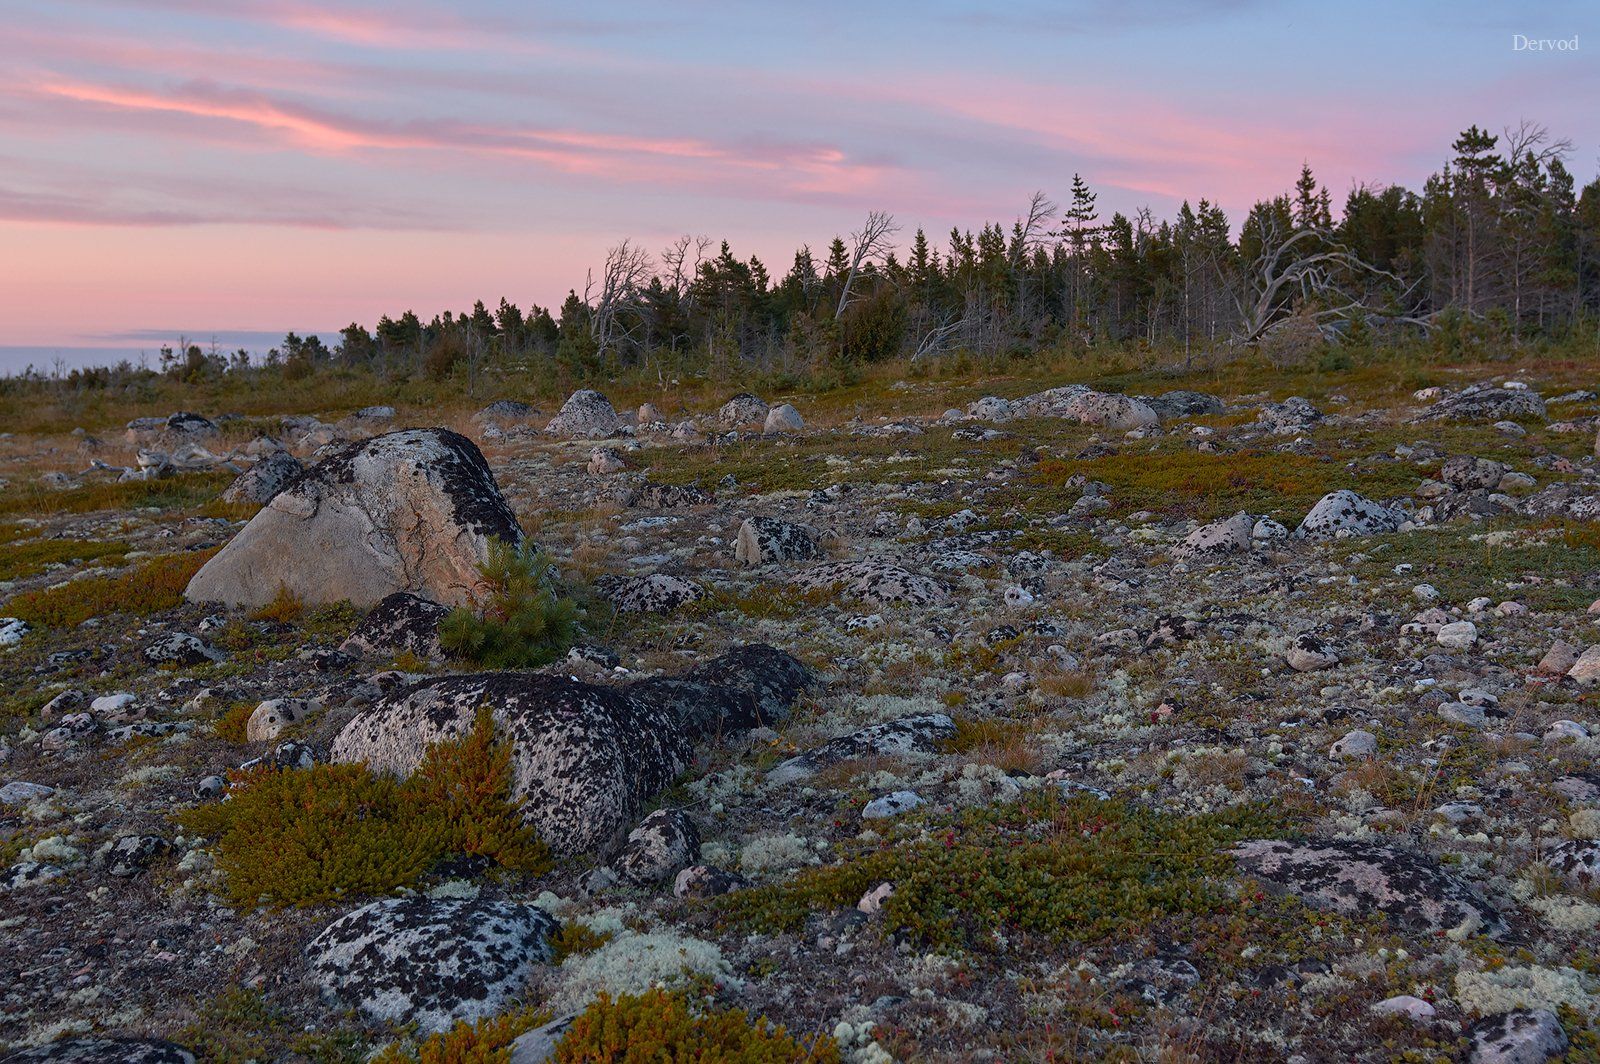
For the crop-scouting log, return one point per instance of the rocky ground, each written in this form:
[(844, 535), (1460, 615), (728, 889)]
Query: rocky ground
[(1189, 727)]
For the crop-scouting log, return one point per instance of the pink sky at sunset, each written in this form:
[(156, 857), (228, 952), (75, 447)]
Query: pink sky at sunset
[(254, 166)]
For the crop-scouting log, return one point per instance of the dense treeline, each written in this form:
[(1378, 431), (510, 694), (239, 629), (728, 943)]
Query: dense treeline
[(1499, 243)]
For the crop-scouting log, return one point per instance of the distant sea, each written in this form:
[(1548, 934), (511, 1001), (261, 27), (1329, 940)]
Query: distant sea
[(143, 344)]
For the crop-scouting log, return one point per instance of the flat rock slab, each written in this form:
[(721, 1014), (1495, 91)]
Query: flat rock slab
[(104, 1051), (430, 961), (1358, 878)]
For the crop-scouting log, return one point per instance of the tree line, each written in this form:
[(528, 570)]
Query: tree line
[(1500, 241)]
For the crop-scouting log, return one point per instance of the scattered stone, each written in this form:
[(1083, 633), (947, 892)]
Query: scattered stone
[(401, 623), (1344, 513), (1523, 1036), (918, 733), (1586, 670), (656, 593), (182, 650), (1486, 404), (663, 844), (1458, 635), (269, 719), (1230, 536), (707, 881), (891, 805), (742, 410), (103, 1051), (262, 482), (132, 854), (880, 583), (603, 461), (1577, 862), (765, 540), (1355, 745), (1310, 652), (783, 418)]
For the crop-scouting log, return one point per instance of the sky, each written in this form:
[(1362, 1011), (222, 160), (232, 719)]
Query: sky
[(230, 170)]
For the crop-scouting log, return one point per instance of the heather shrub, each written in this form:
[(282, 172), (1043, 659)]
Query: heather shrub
[(659, 1026)]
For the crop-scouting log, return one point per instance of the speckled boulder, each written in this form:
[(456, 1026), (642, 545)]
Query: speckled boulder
[(656, 593), (261, 483), (103, 1051), (880, 583), (665, 842), (132, 854), (181, 649), (764, 540), (1487, 404), (707, 881), (1345, 513), (1230, 536), (1183, 403), (1465, 472), (742, 410), (662, 496), (585, 415), (1310, 652), (430, 961), (181, 427), (921, 732), (401, 623), (783, 418), (405, 511), (1522, 1036), (584, 757), (1111, 411), (1357, 878)]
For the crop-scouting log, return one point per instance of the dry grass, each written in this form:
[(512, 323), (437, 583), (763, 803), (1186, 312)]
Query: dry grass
[(148, 588), (1005, 744)]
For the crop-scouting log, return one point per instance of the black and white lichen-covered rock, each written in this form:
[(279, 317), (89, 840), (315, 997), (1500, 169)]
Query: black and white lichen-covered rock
[(1345, 513), (741, 410), (585, 758), (132, 854), (181, 649), (1229, 536), (261, 482), (877, 582), (1182, 403), (102, 1051), (641, 492), (1522, 1036), (1294, 414), (1357, 878), (656, 593), (585, 415), (764, 540), (406, 511), (664, 843), (1486, 403), (430, 961), (1577, 862), (182, 427), (919, 733), (400, 623)]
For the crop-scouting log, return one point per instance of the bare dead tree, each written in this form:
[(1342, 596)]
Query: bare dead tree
[(1528, 137), (938, 339), (871, 243), (623, 278), (681, 263), (1325, 275)]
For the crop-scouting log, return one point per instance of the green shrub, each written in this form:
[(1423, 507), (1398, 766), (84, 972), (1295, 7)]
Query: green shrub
[(18, 560), (180, 492), (658, 1026), (149, 588), (1073, 869), (524, 622), (306, 836), (488, 1041)]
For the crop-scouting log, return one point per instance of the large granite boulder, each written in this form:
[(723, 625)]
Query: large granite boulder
[(406, 511), (585, 758)]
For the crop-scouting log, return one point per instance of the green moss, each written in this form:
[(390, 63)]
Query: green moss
[(307, 836), (240, 1026), (181, 492), (659, 1026), (18, 560), (150, 587), (1074, 869)]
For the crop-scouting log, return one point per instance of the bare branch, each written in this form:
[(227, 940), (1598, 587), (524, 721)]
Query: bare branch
[(870, 243)]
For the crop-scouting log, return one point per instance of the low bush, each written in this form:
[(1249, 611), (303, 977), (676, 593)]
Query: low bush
[(148, 588), (488, 1041), (1070, 869), (181, 492), (524, 621), (659, 1026), (305, 836), (18, 560)]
